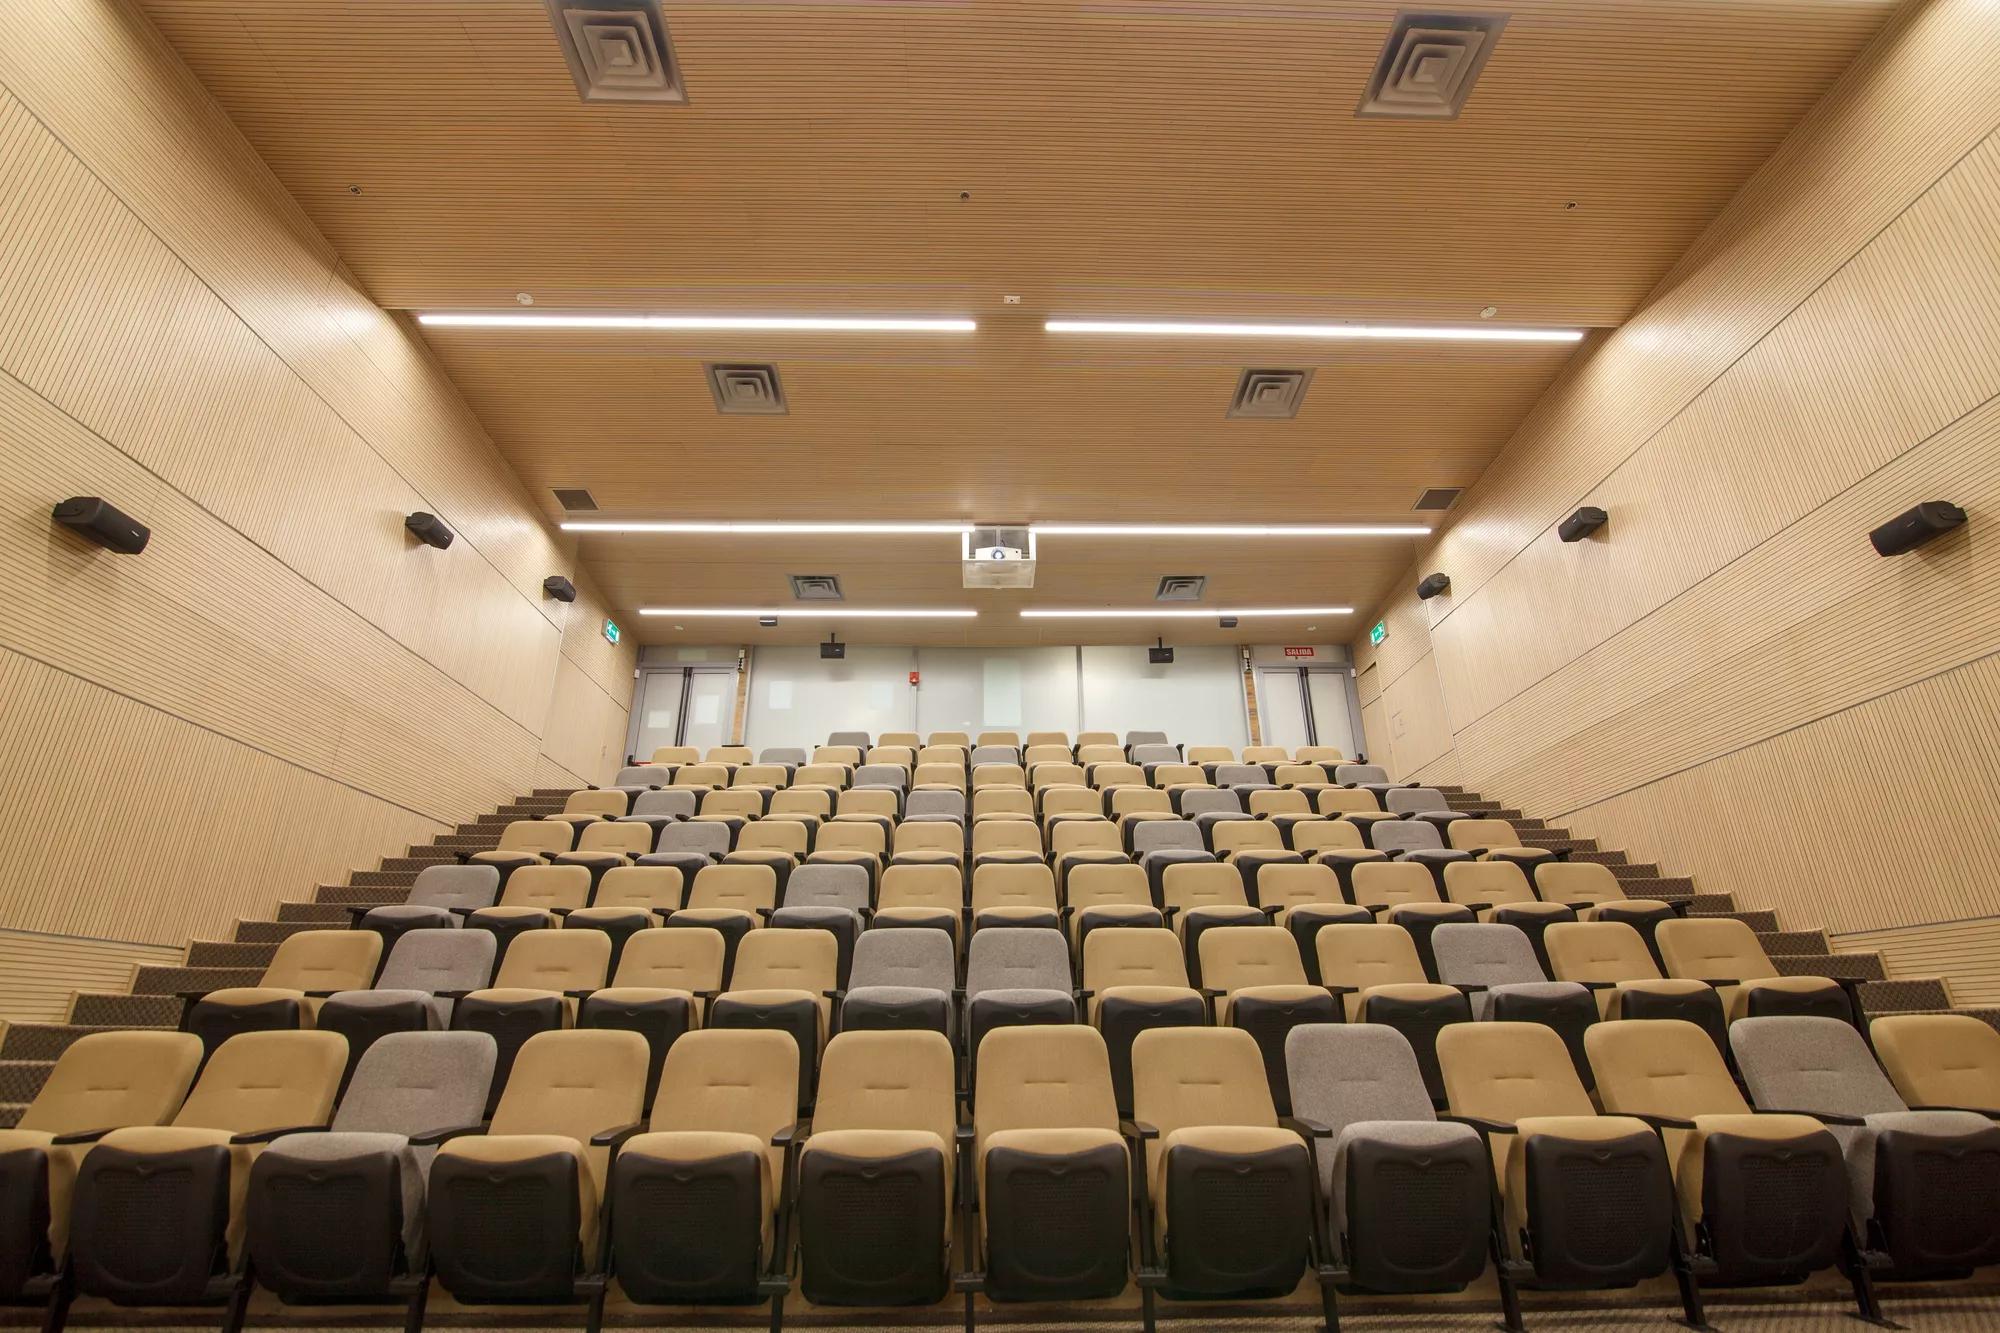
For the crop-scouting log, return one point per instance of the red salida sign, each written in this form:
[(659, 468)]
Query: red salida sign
[(1298, 652)]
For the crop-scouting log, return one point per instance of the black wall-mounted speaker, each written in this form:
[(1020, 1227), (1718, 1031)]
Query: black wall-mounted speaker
[(429, 529), (560, 588), (833, 648), (1582, 523), (1432, 585), (1913, 527), (1161, 655), (102, 522)]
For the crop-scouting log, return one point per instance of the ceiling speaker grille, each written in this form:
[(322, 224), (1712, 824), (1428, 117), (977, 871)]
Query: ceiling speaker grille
[(816, 588), (617, 50), (575, 499), (1269, 395), (1429, 64), (1439, 497), (1181, 588), (748, 391)]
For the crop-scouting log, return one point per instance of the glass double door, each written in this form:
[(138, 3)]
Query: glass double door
[(693, 705), (1304, 706)]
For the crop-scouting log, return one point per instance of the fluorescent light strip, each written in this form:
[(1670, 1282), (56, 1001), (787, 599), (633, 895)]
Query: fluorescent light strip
[(763, 323), (1230, 530), (1188, 613), (879, 529), (1416, 332), (793, 613)]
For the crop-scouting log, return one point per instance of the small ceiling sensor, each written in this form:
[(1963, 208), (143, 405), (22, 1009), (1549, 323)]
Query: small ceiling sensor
[(1010, 300), (1489, 312), (524, 298), (1311, 628), (354, 189)]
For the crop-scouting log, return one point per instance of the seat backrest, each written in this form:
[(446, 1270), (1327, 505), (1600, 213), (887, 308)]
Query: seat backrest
[(537, 835), (993, 754), (1231, 775), (1105, 884), (1016, 958), (1714, 948), (890, 756), (624, 837), (1407, 835), (1202, 884), (1002, 801), (555, 960), (879, 802), (1250, 956), (1048, 738), (1084, 738), (1345, 1074), (1001, 835), (1940, 1059), (742, 887), (648, 888), (951, 804), (1048, 754), (1577, 882), (858, 739), (874, 774), (825, 774), (591, 801), (733, 802), (1320, 754), (455, 886), (1356, 774), (1340, 800), (1319, 835), (547, 887), (785, 754), (909, 957), (1494, 882), (852, 835), (1071, 801), (1134, 956), (962, 739), (1107, 775), (640, 775), (575, 1083), (1484, 955), (1084, 835), (676, 754), (829, 756), (1140, 800), (267, 1080), (807, 960), (1042, 1078), (663, 802), (108, 1080), (762, 775), (998, 738), (440, 960), (729, 754), (1160, 835), (824, 885), (1392, 883), (922, 886), (1293, 775), (1004, 885), (1184, 1077), (1100, 754), (730, 1081), (939, 775), (888, 1080), (1415, 800), (1145, 738), (1811, 1064), (1239, 835), (410, 1082), (1361, 956), (773, 835), (701, 775), (323, 960), (1169, 774), (999, 775), (711, 839), (1264, 804), (932, 836), (1660, 1067), (1509, 1071), (1294, 885), (665, 958), (1598, 951), (1471, 833), (1206, 800)]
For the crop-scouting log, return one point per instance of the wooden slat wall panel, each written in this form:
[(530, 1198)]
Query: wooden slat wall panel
[(284, 687), (42, 971), (1968, 952), (1418, 729), (1729, 674)]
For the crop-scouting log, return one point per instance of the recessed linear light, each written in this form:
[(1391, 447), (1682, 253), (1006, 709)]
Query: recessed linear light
[(1417, 332), (1230, 530), (763, 323), (883, 529), (794, 613), (1209, 613)]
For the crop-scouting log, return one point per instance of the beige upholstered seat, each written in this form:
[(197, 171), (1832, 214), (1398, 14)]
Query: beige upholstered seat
[(1722, 949), (1611, 957), (921, 895), (306, 968), (531, 837), (1014, 895), (1940, 1059)]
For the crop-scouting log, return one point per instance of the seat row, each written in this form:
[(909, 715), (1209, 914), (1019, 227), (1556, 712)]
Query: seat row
[(710, 1188), (949, 769)]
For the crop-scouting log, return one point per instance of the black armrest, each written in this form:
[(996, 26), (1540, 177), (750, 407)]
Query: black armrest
[(1962, 1110), (266, 1135), (1083, 994), (1486, 1128), (324, 994), (197, 994), (360, 910), (1333, 988), (791, 1134), (765, 912), (958, 995), (1168, 914), (1271, 909), (615, 1138), (580, 995), (1467, 987), (1138, 1129), (1719, 982), (562, 912), (707, 996), (1211, 993), (835, 995), (432, 1137), (1598, 985), (1581, 908), (1657, 1121), (463, 911), (1476, 907), (964, 1136), (1826, 1117), (1299, 1124), (450, 994), (81, 1136)]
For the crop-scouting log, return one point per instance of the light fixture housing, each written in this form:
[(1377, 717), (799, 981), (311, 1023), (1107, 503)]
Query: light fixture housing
[(494, 319), (773, 529), (799, 612), (1177, 613), (1232, 530), (1174, 328)]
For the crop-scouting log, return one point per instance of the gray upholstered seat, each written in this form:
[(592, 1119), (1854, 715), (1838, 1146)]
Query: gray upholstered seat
[(994, 754), (1203, 801), (1155, 752), (1148, 738), (901, 979), (784, 754), (882, 775), (1415, 800), (1404, 835), (1498, 957), (423, 964), (1242, 775), (1160, 835), (1358, 775), (1016, 975), (678, 803), (826, 896), (435, 891), (639, 777), (859, 739), (935, 805), (709, 837)]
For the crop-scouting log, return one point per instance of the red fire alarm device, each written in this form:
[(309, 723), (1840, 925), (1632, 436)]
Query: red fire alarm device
[(916, 677)]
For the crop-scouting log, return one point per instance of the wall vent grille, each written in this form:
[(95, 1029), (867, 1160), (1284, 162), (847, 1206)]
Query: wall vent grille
[(575, 499), (1439, 497)]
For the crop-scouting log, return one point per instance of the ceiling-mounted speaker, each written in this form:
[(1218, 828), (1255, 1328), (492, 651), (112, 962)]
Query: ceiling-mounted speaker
[(560, 588), (1433, 585), (833, 649), (1229, 622), (1582, 523), (428, 529), (1913, 527), (1160, 655), (102, 522), (767, 622)]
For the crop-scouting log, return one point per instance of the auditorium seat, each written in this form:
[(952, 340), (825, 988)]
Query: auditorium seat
[(524, 842), (1014, 895), (1200, 896), (876, 1176), (1084, 738), (1135, 980), (933, 839), (1923, 1186), (539, 983), (789, 755), (1259, 986), (732, 803), (937, 803), (1360, 775), (1018, 839), (1763, 1198), (534, 898), (1611, 959), (635, 778), (629, 899), (1302, 899), (701, 776), (1496, 840), (902, 979), (192, 1174), (877, 772), (708, 838), (1045, 1132), (664, 803), (337, 1217), (661, 990), (997, 754), (1587, 1199), (1376, 972), (699, 1192), (1015, 976), (1500, 893), (857, 739), (784, 981), (307, 967), (676, 754), (1725, 953), (1048, 738), (536, 1160), (1109, 894), (1406, 895), (415, 991), (937, 777), (832, 898), (732, 900), (592, 803), (927, 896), (1497, 968), (766, 775), (999, 775), (1409, 1198), (1940, 1061)]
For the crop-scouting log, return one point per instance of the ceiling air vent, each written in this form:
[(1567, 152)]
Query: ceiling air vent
[(1438, 497), (1429, 64), (748, 391), (1181, 588), (1269, 395), (575, 499), (816, 588), (618, 50)]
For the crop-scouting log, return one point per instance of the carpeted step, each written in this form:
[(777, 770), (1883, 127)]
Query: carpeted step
[(1555, 841), (11, 1113), (312, 916), (1861, 966), (374, 895), (229, 953), (1904, 994), (45, 1041), (274, 932), (20, 1080), (383, 879), (1756, 919), (173, 980), (101, 1009), (1794, 941)]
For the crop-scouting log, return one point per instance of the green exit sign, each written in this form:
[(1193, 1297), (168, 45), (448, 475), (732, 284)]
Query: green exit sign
[(611, 631), (1378, 632)]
